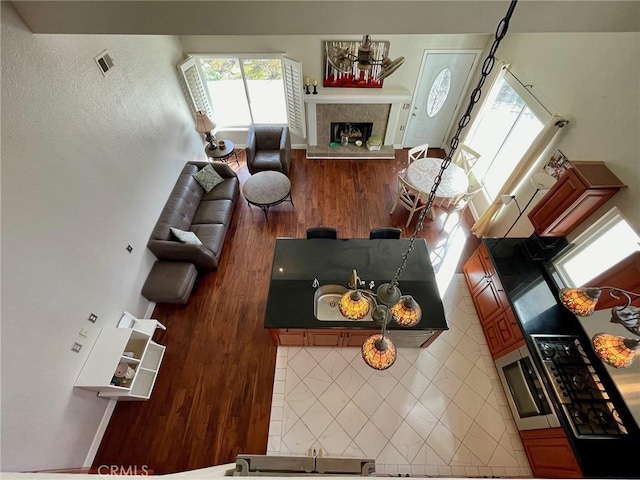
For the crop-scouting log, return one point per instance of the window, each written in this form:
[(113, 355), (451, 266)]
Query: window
[(439, 92), (238, 91), (606, 243), (244, 91), (509, 121)]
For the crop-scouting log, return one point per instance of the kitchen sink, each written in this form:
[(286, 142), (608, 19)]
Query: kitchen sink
[(326, 303)]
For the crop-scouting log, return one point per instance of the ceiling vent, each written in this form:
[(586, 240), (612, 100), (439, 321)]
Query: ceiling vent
[(105, 62)]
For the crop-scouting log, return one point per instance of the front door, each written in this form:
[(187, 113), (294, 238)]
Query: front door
[(442, 80)]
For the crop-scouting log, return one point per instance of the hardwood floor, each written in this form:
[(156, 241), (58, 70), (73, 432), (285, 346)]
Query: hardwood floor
[(212, 398)]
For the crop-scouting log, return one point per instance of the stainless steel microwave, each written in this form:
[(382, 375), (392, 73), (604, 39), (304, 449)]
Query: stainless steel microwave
[(527, 397)]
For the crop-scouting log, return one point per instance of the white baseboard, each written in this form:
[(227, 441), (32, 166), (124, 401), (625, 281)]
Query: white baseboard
[(97, 439)]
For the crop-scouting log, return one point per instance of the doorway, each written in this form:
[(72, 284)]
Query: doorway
[(443, 78)]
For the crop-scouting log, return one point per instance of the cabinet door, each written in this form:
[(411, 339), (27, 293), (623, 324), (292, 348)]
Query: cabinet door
[(487, 301), (550, 454), (474, 269), (355, 338), (556, 201), (324, 338), (587, 203), (289, 337), (492, 335), (508, 334)]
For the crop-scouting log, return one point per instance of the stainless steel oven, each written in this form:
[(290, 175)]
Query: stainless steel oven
[(526, 394)]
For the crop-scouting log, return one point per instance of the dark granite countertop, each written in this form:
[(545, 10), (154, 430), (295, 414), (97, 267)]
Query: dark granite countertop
[(297, 262), (532, 289)]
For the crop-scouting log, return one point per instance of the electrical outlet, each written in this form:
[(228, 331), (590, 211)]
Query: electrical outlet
[(92, 318), (405, 106), (129, 248), (401, 128), (84, 332), (76, 347)]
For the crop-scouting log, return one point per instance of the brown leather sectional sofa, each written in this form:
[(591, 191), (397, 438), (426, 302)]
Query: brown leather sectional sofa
[(189, 208)]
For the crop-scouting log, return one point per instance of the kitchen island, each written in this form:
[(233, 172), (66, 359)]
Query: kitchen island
[(298, 263), (531, 288)]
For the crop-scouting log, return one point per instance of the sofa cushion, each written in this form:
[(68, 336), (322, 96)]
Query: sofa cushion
[(227, 190), (212, 236), (267, 160), (208, 178), (213, 211), (186, 237), (181, 206)]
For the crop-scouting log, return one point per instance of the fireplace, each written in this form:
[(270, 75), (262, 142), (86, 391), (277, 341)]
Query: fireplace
[(353, 131)]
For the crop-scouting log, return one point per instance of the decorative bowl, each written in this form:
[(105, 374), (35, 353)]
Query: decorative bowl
[(358, 143), (334, 144)]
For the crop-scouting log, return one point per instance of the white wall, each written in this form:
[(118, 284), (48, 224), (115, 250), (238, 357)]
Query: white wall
[(87, 164), (593, 79), (308, 50)]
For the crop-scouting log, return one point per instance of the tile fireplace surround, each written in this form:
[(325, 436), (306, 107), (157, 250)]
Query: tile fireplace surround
[(382, 108)]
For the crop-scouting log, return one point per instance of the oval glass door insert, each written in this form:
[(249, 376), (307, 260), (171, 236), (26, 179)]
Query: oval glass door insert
[(439, 92)]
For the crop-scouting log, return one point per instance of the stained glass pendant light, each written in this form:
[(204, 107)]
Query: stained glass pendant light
[(406, 312), (379, 352), (354, 305), (580, 301), (616, 351)]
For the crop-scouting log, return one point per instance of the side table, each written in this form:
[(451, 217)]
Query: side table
[(222, 154)]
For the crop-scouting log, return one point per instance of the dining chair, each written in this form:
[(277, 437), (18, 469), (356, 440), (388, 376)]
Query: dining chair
[(459, 205), (385, 232), (322, 232), (417, 152), (408, 197), (465, 157)]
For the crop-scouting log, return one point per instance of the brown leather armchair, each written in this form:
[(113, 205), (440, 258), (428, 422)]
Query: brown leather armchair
[(268, 148)]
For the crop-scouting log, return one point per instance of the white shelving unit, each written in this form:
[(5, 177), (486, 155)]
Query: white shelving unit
[(97, 374)]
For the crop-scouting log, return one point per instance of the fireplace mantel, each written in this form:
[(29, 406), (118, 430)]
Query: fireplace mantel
[(395, 98), (358, 96)]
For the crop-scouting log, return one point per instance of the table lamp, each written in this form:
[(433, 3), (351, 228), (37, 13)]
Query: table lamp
[(205, 125)]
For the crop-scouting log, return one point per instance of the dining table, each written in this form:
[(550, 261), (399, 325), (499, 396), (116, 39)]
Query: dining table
[(422, 172)]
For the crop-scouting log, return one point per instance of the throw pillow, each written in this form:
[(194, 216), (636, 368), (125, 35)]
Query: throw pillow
[(208, 178), (186, 237)]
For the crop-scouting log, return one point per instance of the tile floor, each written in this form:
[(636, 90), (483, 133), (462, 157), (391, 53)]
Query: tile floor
[(439, 411)]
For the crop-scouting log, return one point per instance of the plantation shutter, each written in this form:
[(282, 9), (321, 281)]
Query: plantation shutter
[(195, 86), (292, 74)]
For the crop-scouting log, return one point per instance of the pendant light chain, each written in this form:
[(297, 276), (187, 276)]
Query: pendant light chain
[(487, 66)]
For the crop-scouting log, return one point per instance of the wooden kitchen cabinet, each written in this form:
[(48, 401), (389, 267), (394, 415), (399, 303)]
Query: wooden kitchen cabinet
[(325, 338), (576, 195), (292, 337), (355, 338), (289, 337), (302, 337), (550, 454), (498, 322)]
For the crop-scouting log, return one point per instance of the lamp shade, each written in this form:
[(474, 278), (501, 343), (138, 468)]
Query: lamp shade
[(581, 301), (406, 312), (354, 305), (203, 123), (378, 352), (616, 351)]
